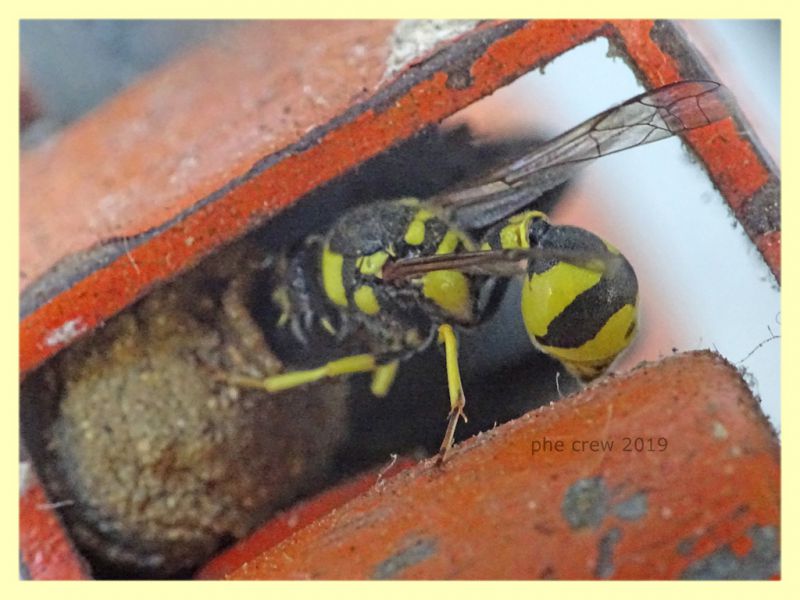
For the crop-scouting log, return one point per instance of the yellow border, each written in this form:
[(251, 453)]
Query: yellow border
[(415, 8)]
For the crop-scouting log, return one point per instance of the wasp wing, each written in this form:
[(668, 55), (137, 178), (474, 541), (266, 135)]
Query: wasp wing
[(497, 263), (649, 117)]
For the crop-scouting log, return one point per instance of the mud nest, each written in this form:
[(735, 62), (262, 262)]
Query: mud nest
[(155, 461)]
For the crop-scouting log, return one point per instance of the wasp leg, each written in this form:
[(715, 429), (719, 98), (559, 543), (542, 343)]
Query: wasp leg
[(457, 401), (382, 379), (358, 363)]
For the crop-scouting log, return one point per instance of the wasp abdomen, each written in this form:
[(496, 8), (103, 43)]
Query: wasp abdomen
[(582, 317)]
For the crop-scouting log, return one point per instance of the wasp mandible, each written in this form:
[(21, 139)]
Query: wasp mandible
[(390, 277)]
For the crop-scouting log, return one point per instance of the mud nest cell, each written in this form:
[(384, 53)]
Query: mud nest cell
[(155, 460)]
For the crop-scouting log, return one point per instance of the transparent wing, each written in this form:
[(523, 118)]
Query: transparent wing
[(646, 118), (498, 263)]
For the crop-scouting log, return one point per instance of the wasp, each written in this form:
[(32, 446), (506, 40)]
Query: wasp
[(389, 278)]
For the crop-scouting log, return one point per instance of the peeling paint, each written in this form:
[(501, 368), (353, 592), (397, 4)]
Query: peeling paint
[(459, 79), (605, 553), (761, 562), (585, 503), (413, 38), (633, 508), (719, 431), (419, 550), (65, 333)]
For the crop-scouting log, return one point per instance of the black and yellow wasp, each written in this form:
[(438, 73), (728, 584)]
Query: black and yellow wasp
[(389, 277)]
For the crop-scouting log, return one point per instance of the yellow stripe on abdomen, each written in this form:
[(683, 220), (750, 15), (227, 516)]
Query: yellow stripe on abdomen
[(615, 335), (332, 281), (546, 295)]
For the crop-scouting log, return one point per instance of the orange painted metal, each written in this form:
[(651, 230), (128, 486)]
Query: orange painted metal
[(585, 503), (769, 245), (736, 166), (294, 519), (45, 550)]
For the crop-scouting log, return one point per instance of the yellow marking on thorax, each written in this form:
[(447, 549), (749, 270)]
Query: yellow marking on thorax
[(366, 301), (372, 264), (415, 234), (546, 295), (332, 281), (450, 289), (515, 234), (449, 242)]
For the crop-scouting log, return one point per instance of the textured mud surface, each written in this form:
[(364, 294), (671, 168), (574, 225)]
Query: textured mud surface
[(153, 461)]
